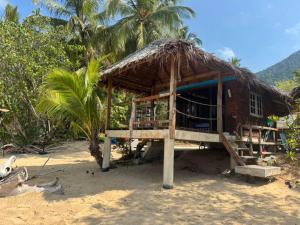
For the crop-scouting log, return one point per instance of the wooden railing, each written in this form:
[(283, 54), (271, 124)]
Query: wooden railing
[(261, 131), (133, 123)]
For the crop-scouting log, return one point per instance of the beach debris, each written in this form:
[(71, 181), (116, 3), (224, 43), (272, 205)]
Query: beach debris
[(13, 180), (293, 184), (6, 168)]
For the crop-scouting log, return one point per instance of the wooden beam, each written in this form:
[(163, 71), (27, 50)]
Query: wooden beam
[(153, 97), (219, 105), (155, 122), (172, 100), (191, 78), (256, 127), (139, 134), (127, 84), (109, 96), (184, 135)]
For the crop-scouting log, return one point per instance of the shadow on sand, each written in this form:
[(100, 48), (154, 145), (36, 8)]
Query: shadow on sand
[(197, 198)]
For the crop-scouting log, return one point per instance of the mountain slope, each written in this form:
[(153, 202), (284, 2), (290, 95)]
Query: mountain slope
[(281, 71)]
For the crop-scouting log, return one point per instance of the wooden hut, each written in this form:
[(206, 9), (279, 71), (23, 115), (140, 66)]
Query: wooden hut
[(205, 98)]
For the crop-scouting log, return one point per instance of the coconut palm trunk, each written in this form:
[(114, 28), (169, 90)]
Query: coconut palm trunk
[(95, 148)]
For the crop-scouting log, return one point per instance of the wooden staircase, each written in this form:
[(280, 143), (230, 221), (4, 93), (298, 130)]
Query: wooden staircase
[(247, 164), (233, 153)]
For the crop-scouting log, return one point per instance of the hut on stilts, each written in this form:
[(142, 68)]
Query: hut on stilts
[(184, 93)]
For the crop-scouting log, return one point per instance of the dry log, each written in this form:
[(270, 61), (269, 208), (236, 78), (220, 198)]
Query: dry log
[(13, 181)]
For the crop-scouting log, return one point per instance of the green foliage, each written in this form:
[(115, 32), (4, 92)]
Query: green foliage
[(83, 21), (101, 137), (11, 14), (235, 61), (28, 52), (293, 122), (121, 105), (286, 85), (291, 156), (73, 97), (283, 70), (273, 118), (185, 34), (140, 22), (77, 32)]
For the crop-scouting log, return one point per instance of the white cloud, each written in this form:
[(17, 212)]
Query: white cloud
[(226, 53), (294, 30), (3, 3)]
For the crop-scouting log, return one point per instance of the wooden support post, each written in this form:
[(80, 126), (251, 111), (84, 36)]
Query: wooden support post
[(106, 154), (259, 142), (251, 140), (274, 137), (108, 113), (220, 105), (210, 108), (172, 100), (168, 174), (241, 132), (132, 117)]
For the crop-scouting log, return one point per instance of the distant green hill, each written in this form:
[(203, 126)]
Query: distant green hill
[(281, 71)]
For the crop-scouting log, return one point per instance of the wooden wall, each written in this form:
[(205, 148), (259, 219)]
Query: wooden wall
[(237, 107)]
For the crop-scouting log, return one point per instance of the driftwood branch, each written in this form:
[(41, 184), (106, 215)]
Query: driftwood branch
[(12, 181)]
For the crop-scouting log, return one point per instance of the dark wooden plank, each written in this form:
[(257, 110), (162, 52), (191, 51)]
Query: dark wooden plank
[(153, 97), (219, 105)]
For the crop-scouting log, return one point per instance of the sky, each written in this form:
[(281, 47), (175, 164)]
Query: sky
[(259, 32)]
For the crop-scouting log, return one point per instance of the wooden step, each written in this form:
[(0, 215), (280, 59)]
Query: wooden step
[(263, 153), (248, 159), (231, 151), (242, 149)]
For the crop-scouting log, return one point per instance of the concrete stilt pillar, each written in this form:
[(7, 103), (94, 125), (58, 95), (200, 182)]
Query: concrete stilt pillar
[(106, 154), (168, 174)]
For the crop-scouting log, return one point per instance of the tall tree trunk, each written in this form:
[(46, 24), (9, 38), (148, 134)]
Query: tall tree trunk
[(95, 148)]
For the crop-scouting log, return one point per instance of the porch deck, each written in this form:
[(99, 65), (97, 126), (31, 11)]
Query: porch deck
[(181, 135)]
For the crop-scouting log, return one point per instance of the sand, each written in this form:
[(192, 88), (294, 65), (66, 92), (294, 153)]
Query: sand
[(133, 195)]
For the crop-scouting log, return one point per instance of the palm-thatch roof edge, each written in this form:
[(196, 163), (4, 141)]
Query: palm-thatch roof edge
[(161, 49)]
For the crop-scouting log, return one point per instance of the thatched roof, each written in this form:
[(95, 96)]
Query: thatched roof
[(295, 93), (150, 67), (162, 50)]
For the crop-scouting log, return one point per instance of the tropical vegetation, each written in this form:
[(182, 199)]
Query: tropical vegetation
[(50, 64), (76, 97)]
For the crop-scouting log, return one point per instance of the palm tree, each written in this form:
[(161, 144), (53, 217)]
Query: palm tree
[(143, 21), (74, 97), (82, 19), (11, 14), (185, 34), (235, 61)]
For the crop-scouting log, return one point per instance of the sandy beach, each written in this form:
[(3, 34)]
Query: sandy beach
[(133, 195)]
